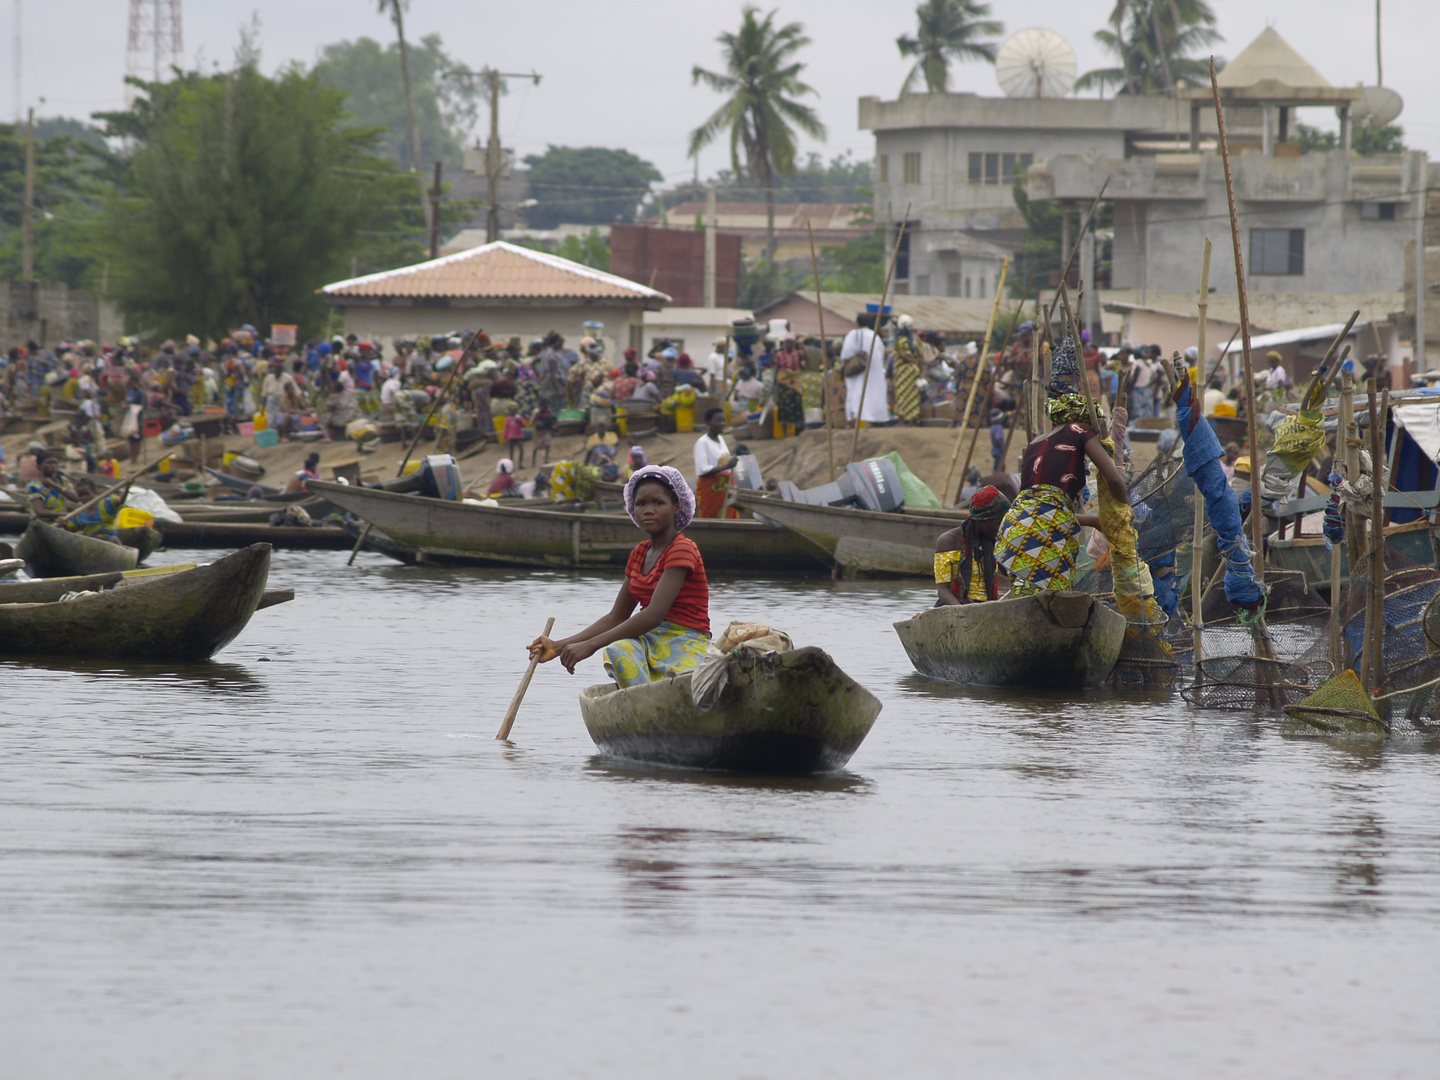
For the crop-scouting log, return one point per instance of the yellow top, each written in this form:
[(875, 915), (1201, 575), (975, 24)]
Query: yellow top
[(947, 569)]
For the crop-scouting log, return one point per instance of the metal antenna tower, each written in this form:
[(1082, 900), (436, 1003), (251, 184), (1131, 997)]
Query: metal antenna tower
[(154, 42)]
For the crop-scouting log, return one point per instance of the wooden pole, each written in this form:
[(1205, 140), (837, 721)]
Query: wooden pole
[(990, 394), (1374, 608), (975, 386), (824, 351), (1342, 461), (1197, 622), (513, 711), (877, 340), (1257, 532)]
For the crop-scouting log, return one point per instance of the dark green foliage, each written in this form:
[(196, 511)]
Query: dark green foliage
[(586, 185), (842, 179), (1365, 142), (1040, 254), (857, 265), (244, 195), (74, 173), (446, 103)]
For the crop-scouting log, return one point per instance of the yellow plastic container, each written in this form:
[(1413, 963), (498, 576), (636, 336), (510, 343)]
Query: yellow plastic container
[(260, 422), (684, 418), (412, 467), (164, 465), (131, 518), (622, 422), (499, 422)]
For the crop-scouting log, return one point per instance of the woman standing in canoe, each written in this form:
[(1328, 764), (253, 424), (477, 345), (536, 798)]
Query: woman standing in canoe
[(1040, 536), (665, 576)]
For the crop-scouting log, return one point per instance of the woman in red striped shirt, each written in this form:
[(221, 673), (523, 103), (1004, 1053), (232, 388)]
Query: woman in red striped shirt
[(665, 576)]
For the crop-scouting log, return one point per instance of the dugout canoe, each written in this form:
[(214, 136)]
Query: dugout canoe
[(224, 534), (900, 543), (54, 552), (1309, 555), (441, 530), (1052, 640), (781, 713), (188, 615)]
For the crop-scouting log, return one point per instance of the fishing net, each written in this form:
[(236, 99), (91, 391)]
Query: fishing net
[(1340, 705), (1409, 662), (1252, 683)]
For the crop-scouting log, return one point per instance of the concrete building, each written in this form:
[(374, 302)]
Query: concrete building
[(48, 312), (690, 329), (501, 288), (832, 224)]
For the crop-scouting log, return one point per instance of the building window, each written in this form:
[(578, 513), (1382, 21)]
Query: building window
[(882, 170), (980, 282), (998, 168), (1277, 251), (952, 284), (902, 255), (912, 168), (1377, 211), (922, 284), (967, 288)]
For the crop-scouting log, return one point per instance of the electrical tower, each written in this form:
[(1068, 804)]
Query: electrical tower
[(154, 43)]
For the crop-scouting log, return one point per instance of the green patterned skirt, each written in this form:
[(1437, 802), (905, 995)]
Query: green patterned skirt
[(669, 649)]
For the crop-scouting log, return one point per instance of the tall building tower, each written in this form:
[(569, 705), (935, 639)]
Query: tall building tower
[(154, 42)]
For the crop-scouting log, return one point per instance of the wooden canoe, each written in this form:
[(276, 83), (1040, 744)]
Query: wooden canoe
[(441, 530), (897, 544), (188, 615), (54, 552), (47, 590), (1309, 555), (1052, 640), (785, 713)]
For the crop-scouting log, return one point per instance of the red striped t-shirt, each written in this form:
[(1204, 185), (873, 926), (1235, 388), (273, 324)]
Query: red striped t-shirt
[(692, 604)]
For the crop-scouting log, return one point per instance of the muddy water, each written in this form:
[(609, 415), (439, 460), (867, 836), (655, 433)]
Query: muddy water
[(310, 857)]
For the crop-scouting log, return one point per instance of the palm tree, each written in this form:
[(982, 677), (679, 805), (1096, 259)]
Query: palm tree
[(762, 78), (947, 29), (1151, 39)]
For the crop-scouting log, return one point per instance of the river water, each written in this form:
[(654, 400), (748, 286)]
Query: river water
[(311, 858)]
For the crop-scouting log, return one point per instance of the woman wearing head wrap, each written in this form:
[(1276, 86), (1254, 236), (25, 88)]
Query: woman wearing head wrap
[(504, 482), (965, 556), (1040, 536), (789, 387), (665, 576)]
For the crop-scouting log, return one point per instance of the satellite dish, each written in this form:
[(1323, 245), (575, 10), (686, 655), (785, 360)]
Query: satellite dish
[(1035, 63), (1378, 107)]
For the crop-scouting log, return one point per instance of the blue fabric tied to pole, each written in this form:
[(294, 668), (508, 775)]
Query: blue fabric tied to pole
[(1334, 527), (1222, 508)]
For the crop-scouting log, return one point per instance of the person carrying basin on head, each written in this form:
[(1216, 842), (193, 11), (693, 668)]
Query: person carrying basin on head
[(665, 576)]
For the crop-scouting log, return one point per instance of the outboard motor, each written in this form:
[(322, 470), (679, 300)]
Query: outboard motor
[(440, 477)]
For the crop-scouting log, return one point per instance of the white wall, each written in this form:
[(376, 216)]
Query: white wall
[(385, 324)]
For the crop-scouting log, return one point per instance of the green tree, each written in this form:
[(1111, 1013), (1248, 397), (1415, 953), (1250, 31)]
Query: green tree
[(371, 77), (245, 194), (1152, 41), (842, 179), (73, 178), (762, 79), (1040, 252), (1364, 141), (586, 185), (947, 30), (857, 265), (592, 249)]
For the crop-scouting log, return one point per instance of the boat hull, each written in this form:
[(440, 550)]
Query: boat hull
[(1309, 555), (56, 552), (899, 544), (787, 713), (189, 615), (441, 530), (1052, 640)]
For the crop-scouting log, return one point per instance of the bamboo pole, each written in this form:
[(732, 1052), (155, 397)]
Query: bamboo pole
[(877, 340), (990, 394), (1197, 398), (1374, 606), (975, 385), (1260, 633), (1342, 428), (824, 351)]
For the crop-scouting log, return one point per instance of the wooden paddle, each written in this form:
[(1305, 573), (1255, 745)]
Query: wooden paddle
[(510, 713), (119, 489)]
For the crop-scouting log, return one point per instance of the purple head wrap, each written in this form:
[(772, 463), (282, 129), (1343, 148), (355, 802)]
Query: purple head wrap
[(671, 478)]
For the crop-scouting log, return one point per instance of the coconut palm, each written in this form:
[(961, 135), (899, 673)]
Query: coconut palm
[(395, 9), (762, 78), (1152, 40), (947, 30)]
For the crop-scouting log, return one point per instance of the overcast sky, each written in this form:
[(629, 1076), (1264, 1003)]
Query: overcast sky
[(617, 74)]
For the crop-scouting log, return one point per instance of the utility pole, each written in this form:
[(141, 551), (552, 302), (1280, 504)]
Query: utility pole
[(28, 257), (493, 153), (435, 214), (15, 62)]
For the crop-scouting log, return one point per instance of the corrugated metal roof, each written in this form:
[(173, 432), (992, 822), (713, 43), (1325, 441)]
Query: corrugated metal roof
[(1289, 337), (499, 271)]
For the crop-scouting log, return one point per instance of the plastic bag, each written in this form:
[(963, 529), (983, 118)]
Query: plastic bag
[(145, 499), (713, 674)]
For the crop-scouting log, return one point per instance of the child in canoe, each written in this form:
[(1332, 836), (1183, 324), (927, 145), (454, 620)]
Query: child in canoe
[(665, 576)]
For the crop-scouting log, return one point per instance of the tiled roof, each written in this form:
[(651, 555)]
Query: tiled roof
[(498, 271)]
